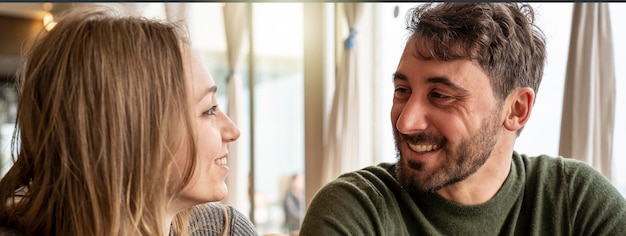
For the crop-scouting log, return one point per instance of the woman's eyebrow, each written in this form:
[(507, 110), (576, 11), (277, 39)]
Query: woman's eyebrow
[(210, 91)]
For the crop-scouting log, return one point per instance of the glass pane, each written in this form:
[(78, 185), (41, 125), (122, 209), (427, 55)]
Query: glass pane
[(278, 115)]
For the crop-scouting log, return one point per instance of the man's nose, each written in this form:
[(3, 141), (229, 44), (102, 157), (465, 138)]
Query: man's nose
[(413, 119)]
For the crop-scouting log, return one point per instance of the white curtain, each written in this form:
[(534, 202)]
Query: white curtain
[(341, 149), (235, 24), (589, 100)]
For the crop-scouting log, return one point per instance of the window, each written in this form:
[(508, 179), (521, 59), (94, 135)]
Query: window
[(278, 110)]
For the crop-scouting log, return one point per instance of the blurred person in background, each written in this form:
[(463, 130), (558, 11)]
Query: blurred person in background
[(293, 203)]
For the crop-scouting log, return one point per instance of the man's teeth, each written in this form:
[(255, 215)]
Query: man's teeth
[(423, 148), (222, 161)]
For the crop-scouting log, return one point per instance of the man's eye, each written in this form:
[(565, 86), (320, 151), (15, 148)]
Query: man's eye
[(439, 95), (401, 90), (402, 93)]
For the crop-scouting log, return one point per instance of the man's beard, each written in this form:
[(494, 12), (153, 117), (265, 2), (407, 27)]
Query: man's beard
[(459, 163)]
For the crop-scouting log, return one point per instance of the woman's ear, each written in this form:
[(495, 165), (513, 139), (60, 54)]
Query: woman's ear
[(518, 105)]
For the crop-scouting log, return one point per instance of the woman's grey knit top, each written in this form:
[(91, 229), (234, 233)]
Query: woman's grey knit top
[(208, 220)]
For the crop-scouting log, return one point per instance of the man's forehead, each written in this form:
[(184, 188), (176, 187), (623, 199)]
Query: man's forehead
[(426, 48)]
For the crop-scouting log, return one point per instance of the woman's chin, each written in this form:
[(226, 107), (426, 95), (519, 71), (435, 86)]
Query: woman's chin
[(222, 195), (218, 193)]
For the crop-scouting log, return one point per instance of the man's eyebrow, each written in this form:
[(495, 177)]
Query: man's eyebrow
[(399, 76), (445, 81), (212, 89), (434, 80)]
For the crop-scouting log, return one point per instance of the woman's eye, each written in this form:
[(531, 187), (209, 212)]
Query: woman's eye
[(211, 111)]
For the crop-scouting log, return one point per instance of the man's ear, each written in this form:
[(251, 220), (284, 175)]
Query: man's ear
[(517, 107)]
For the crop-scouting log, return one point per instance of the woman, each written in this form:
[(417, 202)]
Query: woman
[(119, 134)]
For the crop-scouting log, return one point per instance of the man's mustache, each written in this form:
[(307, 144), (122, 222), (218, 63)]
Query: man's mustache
[(420, 138)]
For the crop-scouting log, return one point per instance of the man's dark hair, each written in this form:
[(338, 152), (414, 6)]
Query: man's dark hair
[(501, 37)]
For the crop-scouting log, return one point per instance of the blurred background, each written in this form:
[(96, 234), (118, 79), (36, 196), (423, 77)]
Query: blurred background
[(287, 77)]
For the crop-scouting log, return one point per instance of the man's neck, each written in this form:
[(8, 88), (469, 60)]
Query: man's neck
[(483, 185)]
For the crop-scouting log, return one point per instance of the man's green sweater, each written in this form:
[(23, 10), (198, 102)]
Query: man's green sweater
[(541, 196)]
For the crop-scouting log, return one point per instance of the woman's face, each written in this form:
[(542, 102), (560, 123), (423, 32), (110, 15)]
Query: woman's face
[(213, 130)]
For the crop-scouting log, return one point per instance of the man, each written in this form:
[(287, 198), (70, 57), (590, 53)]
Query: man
[(464, 88)]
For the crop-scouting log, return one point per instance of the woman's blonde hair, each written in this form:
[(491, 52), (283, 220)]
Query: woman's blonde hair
[(102, 103)]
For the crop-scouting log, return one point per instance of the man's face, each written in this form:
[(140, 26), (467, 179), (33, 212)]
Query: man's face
[(446, 120)]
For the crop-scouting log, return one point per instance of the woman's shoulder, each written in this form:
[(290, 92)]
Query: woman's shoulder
[(214, 212), (216, 215)]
